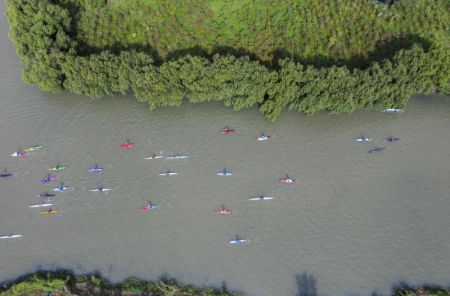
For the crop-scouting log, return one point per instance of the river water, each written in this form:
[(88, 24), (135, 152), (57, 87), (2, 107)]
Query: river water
[(355, 223)]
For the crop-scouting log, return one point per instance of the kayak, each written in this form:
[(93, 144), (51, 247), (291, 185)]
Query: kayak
[(227, 131), (263, 137), (95, 170), (177, 157), (224, 173), (49, 212), (392, 110), (61, 188), (223, 212), (126, 145), (376, 149), (391, 139), (363, 139), (261, 197), (57, 168), (154, 157), (41, 205), (34, 148), (19, 154), (11, 236), (100, 189), (46, 194), (238, 241), (149, 207), (48, 179), (169, 173), (5, 174), (287, 180)]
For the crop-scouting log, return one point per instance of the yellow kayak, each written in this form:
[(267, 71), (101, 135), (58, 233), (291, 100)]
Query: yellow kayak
[(49, 212), (34, 148)]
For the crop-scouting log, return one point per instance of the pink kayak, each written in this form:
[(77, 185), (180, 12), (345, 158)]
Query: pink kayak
[(287, 180), (223, 212)]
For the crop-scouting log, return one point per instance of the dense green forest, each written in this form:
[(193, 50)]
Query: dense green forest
[(305, 55)]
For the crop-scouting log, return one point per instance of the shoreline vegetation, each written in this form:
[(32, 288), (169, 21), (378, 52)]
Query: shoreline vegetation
[(65, 283), (339, 56)]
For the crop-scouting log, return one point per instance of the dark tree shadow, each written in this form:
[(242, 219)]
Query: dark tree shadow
[(306, 284), (383, 50)]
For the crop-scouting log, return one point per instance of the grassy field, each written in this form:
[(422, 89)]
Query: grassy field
[(308, 30)]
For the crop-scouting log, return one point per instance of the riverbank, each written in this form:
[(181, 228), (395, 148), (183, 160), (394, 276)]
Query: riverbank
[(55, 41), (65, 283)]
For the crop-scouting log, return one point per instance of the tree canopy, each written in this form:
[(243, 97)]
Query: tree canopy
[(44, 36)]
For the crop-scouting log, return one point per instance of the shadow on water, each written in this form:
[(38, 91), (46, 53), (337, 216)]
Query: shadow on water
[(306, 285)]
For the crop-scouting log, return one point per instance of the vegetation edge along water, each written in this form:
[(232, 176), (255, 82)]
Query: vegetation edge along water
[(65, 283), (54, 58)]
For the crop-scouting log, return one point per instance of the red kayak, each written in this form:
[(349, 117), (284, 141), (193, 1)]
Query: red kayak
[(126, 145), (223, 212), (227, 131)]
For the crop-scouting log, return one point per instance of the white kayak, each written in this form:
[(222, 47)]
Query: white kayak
[(168, 174), (11, 236), (224, 173), (100, 189), (263, 137), (41, 205), (177, 157), (392, 110), (239, 241), (261, 197), (363, 138), (154, 157)]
